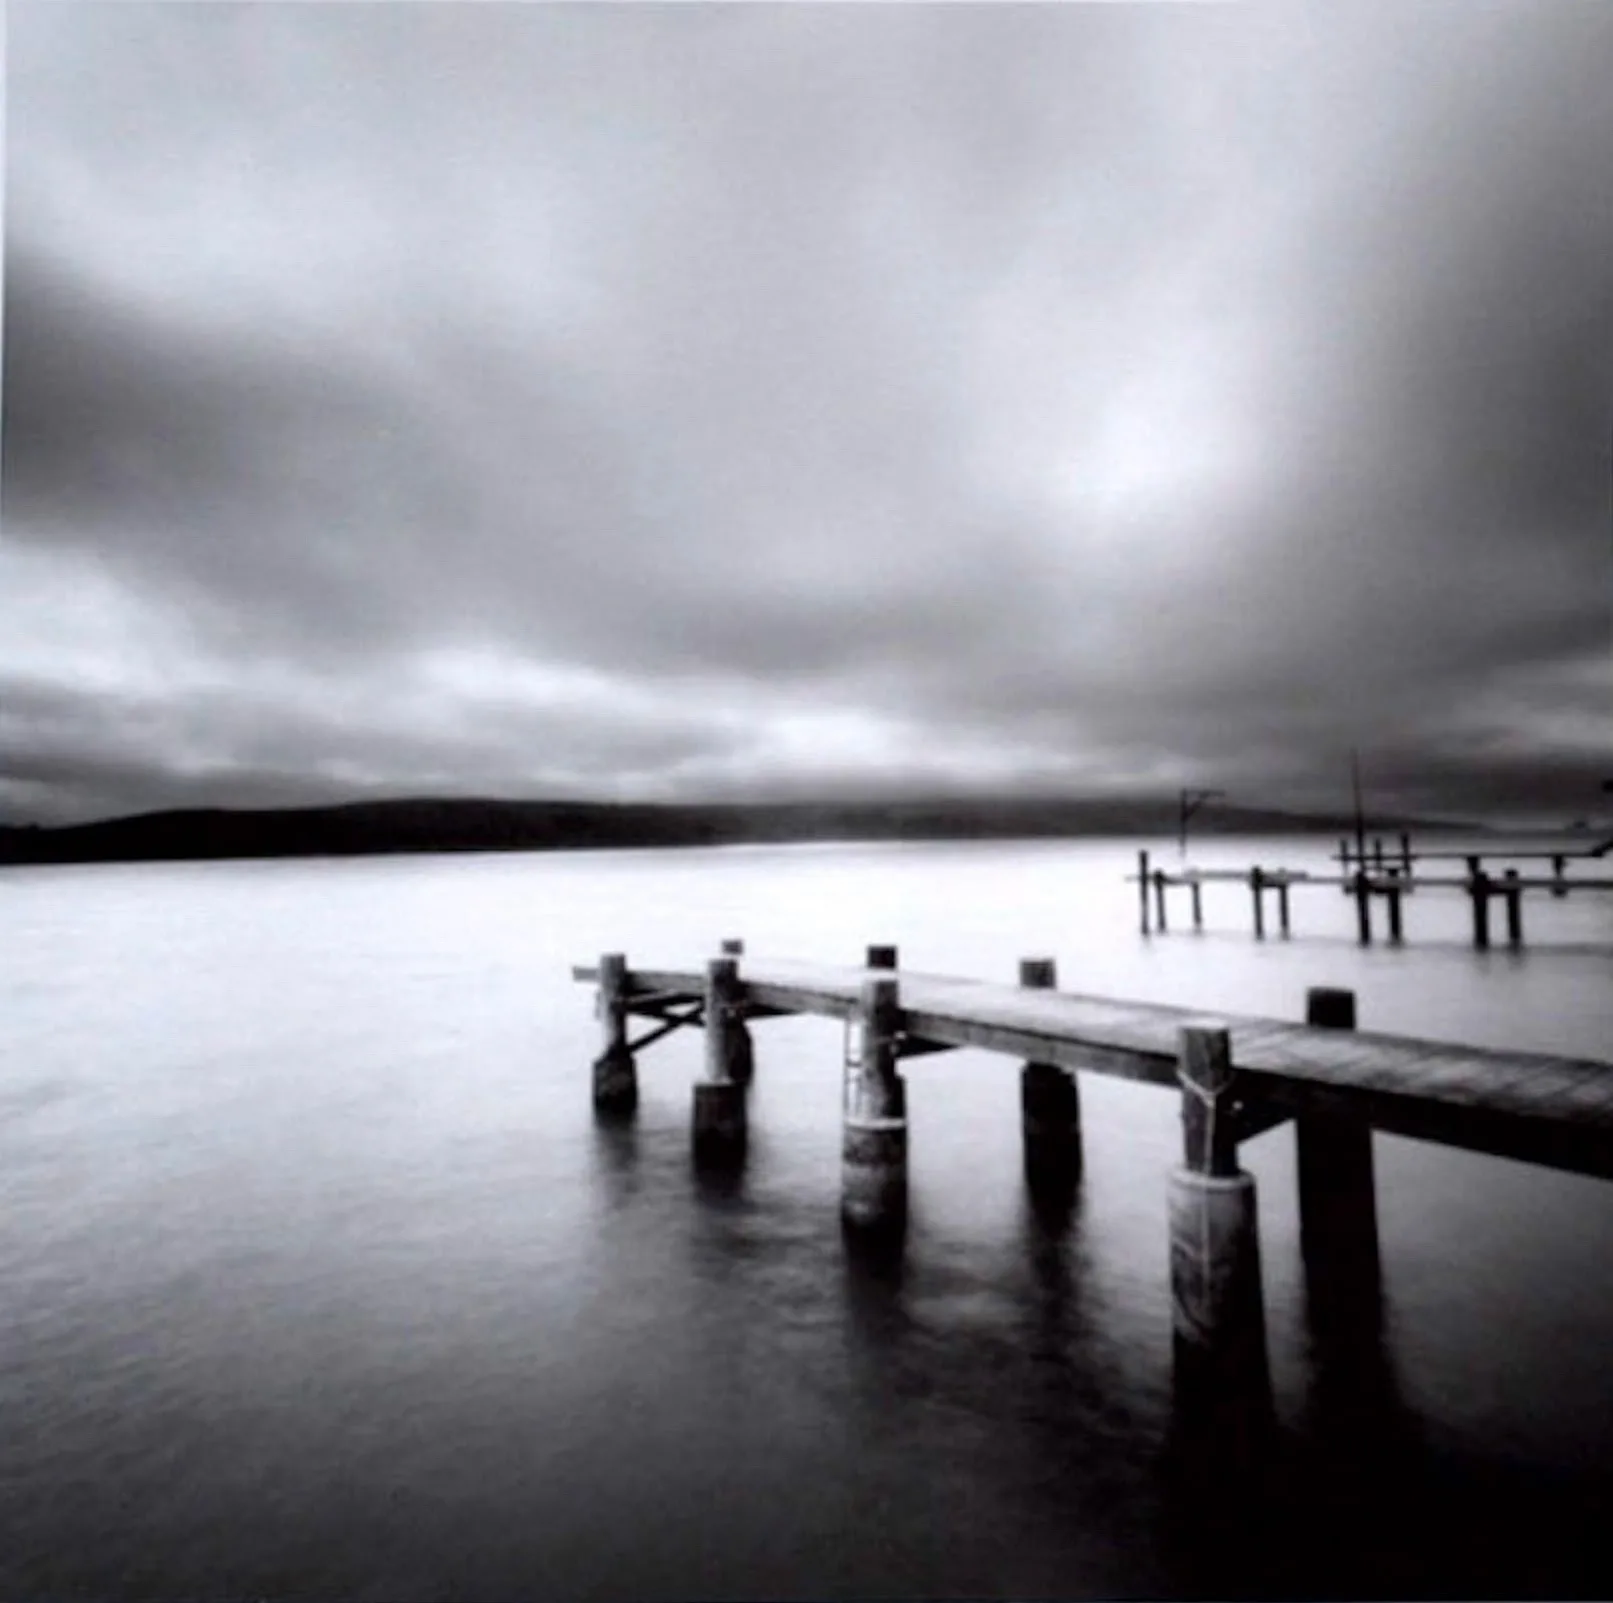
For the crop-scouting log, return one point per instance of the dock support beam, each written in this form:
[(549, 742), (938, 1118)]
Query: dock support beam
[(1363, 907), (719, 1099), (1282, 907), (873, 1175), (1142, 888), (1338, 1209), (1198, 905), (1159, 899), (1558, 864), (1257, 889), (1392, 895), (1512, 894), (615, 1075), (1222, 1377), (1050, 1107)]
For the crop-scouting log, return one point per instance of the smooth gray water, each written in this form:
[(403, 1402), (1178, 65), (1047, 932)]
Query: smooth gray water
[(322, 1281)]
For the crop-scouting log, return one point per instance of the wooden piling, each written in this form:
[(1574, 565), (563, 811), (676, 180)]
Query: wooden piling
[(1558, 865), (1142, 888), (1405, 857), (1222, 1377), (1479, 890), (873, 1197), (1282, 907), (719, 1099), (880, 957), (1338, 1213), (1159, 900), (1392, 896), (1344, 864), (1512, 894), (1257, 887), (1198, 905), (615, 1075), (1377, 853), (1050, 1106), (1363, 907)]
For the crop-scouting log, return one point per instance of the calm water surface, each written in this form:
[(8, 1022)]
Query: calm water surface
[(321, 1280)]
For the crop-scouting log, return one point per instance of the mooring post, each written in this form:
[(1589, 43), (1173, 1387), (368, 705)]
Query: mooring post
[(1405, 857), (1338, 1210), (719, 1099), (1513, 895), (873, 1175), (1257, 887), (1282, 906), (1049, 1103), (1198, 904), (1142, 887), (880, 957), (1478, 887), (615, 1076), (1159, 900), (1363, 907), (1392, 895), (1558, 864), (1217, 1310)]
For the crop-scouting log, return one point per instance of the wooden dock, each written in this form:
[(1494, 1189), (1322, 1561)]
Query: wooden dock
[(1237, 1077), (1388, 881)]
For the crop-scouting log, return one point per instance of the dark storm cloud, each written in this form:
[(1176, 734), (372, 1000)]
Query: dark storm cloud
[(676, 399)]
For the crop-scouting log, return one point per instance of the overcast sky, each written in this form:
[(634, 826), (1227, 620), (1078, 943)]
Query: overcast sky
[(706, 401)]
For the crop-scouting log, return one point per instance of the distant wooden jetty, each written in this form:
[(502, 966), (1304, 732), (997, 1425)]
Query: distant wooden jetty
[(1236, 1076), (1372, 878)]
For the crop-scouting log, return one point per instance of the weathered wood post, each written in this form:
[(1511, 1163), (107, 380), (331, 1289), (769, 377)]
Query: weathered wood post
[(1363, 907), (1142, 887), (1222, 1378), (1558, 864), (1405, 857), (719, 1099), (1049, 1104), (1513, 896), (615, 1075), (1198, 904), (1282, 906), (1377, 853), (1478, 887), (1344, 864), (880, 957), (1392, 896), (1338, 1210), (1257, 890), (873, 1175), (1159, 900)]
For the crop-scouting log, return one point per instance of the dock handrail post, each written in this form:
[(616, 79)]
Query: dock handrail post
[(1513, 894), (1198, 904), (615, 1074), (1142, 888), (1160, 882), (1222, 1375), (1363, 907), (1257, 891), (1478, 887), (1338, 1211), (719, 1099), (1392, 896), (1050, 1109), (873, 1174), (1558, 864)]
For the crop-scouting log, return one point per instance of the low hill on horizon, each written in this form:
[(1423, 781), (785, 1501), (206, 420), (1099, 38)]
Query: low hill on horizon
[(476, 825)]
